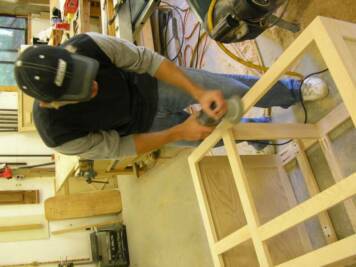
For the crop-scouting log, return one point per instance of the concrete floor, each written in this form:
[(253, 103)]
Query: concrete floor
[(163, 218), (160, 209)]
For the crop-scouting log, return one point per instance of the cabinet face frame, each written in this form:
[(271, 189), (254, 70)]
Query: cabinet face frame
[(336, 41)]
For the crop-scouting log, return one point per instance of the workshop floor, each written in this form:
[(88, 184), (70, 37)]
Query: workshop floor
[(162, 216), (160, 208)]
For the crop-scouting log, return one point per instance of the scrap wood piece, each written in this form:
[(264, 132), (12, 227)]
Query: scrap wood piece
[(21, 227), (83, 205), (85, 227)]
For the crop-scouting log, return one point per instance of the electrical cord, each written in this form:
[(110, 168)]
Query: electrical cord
[(177, 9), (303, 106), (197, 45), (203, 52), (195, 49), (196, 59)]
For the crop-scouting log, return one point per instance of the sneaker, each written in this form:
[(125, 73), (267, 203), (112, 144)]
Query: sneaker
[(314, 88)]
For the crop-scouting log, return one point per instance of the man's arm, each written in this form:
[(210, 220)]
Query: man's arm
[(126, 55), (139, 59), (189, 130), (99, 145), (109, 145)]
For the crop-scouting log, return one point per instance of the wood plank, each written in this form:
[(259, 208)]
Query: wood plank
[(332, 253), (16, 197), (292, 201), (21, 227), (103, 17), (35, 172), (32, 2), (205, 210), (328, 123), (248, 205), (84, 16), (273, 131), (210, 141), (64, 168), (4, 88), (83, 205), (333, 119), (338, 175), (309, 208), (265, 83), (84, 227), (110, 15), (313, 189), (33, 233), (232, 240), (335, 40), (95, 9)]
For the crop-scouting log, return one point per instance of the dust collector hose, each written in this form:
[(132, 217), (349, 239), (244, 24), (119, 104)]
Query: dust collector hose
[(233, 56)]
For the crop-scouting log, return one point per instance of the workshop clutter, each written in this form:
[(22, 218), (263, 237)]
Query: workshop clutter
[(69, 9)]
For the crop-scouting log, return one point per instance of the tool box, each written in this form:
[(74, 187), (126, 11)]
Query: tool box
[(109, 246)]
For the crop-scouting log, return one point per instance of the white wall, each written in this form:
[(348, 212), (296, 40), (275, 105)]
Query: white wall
[(75, 245), (20, 143), (39, 22)]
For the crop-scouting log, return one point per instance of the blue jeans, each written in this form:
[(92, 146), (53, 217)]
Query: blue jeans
[(172, 101)]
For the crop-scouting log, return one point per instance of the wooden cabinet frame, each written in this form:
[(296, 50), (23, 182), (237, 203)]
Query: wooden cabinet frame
[(337, 44)]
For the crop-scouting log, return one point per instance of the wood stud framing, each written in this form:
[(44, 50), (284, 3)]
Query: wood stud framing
[(337, 44)]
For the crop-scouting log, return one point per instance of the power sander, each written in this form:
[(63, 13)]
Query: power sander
[(233, 114)]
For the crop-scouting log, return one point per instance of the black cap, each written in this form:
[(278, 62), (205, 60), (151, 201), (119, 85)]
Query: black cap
[(50, 73)]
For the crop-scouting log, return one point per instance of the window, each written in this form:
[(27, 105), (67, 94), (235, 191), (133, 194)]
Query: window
[(13, 33)]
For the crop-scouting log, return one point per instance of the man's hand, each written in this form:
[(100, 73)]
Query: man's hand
[(213, 103), (192, 130), (189, 130)]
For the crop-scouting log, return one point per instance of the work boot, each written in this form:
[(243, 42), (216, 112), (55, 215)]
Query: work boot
[(314, 88)]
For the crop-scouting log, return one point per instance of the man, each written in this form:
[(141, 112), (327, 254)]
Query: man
[(101, 97)]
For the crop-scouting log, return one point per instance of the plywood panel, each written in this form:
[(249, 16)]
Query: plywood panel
[(226, 208)]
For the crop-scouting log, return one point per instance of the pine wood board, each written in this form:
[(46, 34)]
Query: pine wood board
[(83, 205), (21, 228)]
